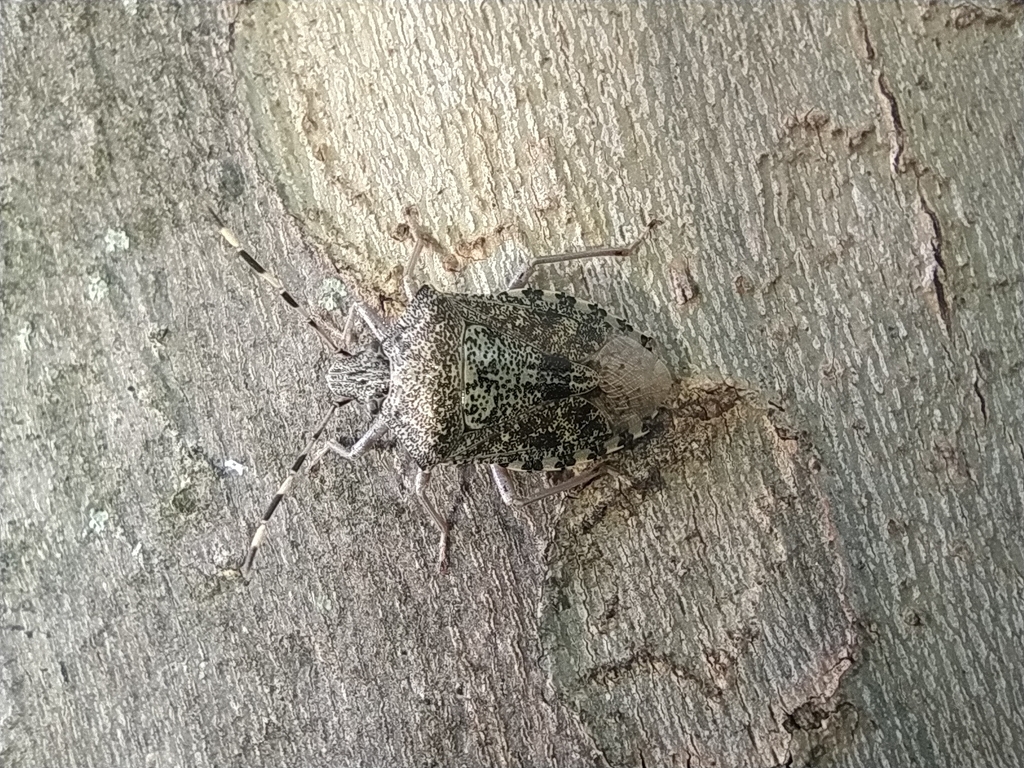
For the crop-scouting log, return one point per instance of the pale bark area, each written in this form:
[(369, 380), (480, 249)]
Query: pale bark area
[(817, 560)]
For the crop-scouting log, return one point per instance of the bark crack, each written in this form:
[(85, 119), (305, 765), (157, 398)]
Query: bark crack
[(862, 26), (898, 165), (644, 660), (979, 394), (938, 267), (896, 123)]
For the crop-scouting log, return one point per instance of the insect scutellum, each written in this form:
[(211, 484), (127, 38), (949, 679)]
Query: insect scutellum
[(522, 379)]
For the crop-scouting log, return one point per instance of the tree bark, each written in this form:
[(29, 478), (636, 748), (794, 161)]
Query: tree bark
[(817, 559)]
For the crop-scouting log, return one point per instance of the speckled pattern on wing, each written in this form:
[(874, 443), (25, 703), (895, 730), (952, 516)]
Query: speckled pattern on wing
[(503, 375), (557, 322), (548, 436), (528, 379)]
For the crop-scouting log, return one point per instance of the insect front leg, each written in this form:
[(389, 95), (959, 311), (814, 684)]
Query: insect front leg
[(371, 319), (421, 239), (526, 271), (364, 443), (376, 431), (506, 485)]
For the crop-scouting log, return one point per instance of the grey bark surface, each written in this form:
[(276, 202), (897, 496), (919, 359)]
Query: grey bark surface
[(816, 561)]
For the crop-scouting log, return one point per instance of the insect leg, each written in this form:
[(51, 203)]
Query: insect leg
[(376, 431), (282, 491), (414, 259), (526, 270), (370, 319), (506, 486), (275, 282), (422, 238), (373, 434), (422, 481)]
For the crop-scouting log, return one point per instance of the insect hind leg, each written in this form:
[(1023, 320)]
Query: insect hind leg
[(422, 481), (506, 485), (525, 272)]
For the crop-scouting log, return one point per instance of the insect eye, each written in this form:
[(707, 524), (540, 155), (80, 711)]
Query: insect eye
[(373, 407)]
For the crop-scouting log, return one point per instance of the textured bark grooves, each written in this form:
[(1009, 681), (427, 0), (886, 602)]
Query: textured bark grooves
[(816, 560)]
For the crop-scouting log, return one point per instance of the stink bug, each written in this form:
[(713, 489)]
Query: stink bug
[(521, 380)]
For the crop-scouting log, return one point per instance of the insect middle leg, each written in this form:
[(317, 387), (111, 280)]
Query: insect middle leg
[(526, 271), (373, 434)]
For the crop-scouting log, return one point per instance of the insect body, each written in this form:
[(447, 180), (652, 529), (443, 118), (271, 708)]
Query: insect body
[(526, 379), (521, 380)]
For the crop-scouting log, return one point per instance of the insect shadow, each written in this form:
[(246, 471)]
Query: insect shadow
[(522, 380)]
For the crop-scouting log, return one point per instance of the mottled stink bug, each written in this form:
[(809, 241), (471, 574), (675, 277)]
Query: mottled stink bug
[(522, 380)]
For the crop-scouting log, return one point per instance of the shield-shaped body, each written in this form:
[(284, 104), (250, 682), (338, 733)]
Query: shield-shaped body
[(527, 379)]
